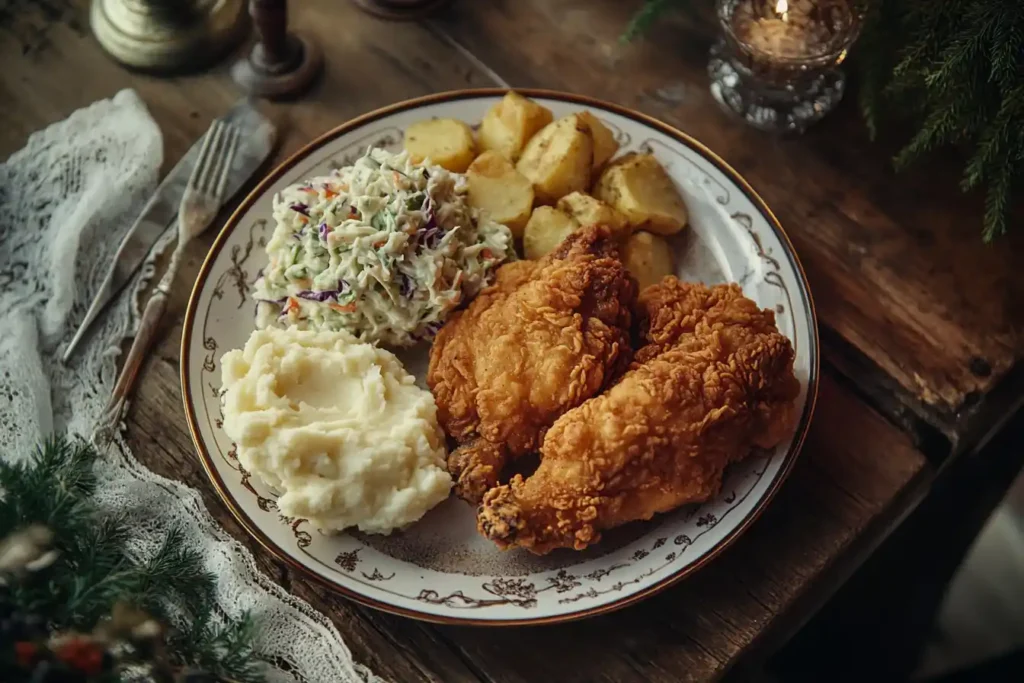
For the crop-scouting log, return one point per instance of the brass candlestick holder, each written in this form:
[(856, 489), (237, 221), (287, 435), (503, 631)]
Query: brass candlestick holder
[(167, 35)]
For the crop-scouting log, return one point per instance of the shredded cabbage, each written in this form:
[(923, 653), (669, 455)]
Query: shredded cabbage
[(383, 249)]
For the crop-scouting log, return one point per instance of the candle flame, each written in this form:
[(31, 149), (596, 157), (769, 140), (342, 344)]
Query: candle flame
[(782, 9)]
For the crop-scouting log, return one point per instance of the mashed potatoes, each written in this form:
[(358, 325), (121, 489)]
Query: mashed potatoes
[(337, 426)]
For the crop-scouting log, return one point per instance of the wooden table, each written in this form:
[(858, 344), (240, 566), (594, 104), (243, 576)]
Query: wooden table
[(921, 323)]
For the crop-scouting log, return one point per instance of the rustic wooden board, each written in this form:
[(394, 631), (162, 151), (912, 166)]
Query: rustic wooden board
[(858, 473), (896, 264)]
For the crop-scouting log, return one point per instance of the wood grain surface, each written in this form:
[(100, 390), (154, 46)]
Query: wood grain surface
[(895, 262), (914, 307)]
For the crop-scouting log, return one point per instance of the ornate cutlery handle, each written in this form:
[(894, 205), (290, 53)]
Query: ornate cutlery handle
[(149, 325)]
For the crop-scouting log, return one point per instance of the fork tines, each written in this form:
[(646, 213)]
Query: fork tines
[(213, 167)]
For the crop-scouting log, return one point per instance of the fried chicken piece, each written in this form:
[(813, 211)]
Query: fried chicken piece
[(714, 380), (546, 336)]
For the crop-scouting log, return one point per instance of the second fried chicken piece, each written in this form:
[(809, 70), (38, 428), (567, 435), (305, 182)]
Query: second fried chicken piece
[(714, 379), (546, 336)]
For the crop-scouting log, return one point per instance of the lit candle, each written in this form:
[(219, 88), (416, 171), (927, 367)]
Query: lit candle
[(799, 29), (776, 64)]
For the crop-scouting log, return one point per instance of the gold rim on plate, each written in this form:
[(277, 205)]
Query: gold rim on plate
[(253, 530)]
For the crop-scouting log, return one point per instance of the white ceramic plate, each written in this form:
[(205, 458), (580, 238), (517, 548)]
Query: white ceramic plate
[(440, 569)]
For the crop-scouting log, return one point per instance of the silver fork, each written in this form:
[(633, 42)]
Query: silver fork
[(203, 198)]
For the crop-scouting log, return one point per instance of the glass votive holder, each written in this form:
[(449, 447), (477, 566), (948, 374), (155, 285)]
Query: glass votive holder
[(776, 65)]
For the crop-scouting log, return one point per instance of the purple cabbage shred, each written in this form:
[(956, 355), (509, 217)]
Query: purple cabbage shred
[(326, 295), (324, 231), (430, 238), (406, 285), (429, 234), (301, 208)]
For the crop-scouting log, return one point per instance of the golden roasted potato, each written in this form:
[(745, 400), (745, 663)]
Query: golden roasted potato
[(558, 159), (509, 124), (639, 187), (587, 211), (495, 186), (545, 230), (648, 257), (446, 142), (605, 146)]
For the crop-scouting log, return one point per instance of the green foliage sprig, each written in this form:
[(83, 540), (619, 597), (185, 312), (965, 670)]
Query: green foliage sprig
[(91, 575), (957, 67)]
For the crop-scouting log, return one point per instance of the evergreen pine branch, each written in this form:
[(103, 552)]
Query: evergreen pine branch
[(89, 593), (222, 649), (102, 545), (49, 487), (967, 48), (923, 21), (1007, 44), (176, 570), (875, 65), (961, 64), (997, 202), (936, 130), (94, 570), (645, 18), (999, 136)]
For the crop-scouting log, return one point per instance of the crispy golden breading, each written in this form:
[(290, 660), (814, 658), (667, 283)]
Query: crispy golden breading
[(713, 379), (545, 337)]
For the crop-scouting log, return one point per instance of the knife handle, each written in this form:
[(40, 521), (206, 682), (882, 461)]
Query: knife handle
[(148, 327)]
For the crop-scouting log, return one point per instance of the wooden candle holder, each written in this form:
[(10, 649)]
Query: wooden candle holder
[(400, 10), (280, 64)]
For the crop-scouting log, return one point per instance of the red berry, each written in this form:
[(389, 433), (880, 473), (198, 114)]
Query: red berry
[(83, 655), (25, 654)]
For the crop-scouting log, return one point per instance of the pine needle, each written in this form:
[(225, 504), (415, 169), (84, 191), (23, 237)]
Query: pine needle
[(94, 570), (997, 203), (959, 63), (999, 136), (222, 649), (645, 18), (175, 569), (1006, 46)]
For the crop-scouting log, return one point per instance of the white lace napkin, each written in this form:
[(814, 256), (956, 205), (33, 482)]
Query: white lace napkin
[(66, 199)]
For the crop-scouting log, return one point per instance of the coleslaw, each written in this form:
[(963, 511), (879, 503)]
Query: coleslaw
[(383, 249)]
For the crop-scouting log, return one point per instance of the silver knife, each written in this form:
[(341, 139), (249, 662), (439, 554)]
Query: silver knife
[(161, 211)]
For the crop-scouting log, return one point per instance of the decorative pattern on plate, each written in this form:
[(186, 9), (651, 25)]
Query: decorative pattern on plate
[(441, 568)]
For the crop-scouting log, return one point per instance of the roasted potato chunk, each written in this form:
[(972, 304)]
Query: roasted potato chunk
[(445, 142), (639, 187), (587, 211), (509, 124), (648, 258), (558, 159), (545, 230), (605, 146), (496, 187)]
